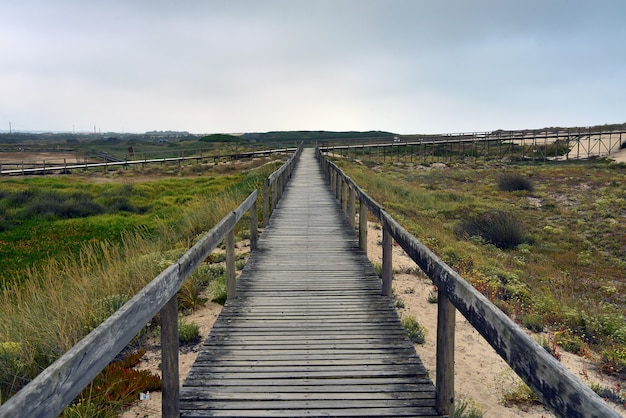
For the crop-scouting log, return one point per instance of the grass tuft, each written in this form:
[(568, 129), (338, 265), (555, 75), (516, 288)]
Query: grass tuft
[(513, 182), (496, 227)]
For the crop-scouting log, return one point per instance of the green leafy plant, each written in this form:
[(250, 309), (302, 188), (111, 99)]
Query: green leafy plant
[(467, 408), (415, 331), (188, 332)]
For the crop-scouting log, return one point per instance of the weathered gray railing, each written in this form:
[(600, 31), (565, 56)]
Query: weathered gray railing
[(47, 166), (274, 185), (557, 387), (58, 385)]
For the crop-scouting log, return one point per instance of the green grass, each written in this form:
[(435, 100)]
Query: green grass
[(61, 277), (566, 273)]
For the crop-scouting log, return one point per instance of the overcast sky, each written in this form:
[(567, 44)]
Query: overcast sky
[(405, 66)]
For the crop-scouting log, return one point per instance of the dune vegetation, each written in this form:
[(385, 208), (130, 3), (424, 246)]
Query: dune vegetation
[(546, 242), (74, 248)]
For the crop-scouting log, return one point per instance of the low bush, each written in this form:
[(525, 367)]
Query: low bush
[(513, 182), (415, 331), (117, 386), (496, 227), (188, 332), (614, 362), (467, 408)]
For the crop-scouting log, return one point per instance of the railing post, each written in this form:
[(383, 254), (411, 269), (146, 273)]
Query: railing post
[(352, 207), (170, 401), (266, 202), (444, 391), (231, 272), (254, 226), (274, 188), (344, 195), (387, 262), (363, 226)]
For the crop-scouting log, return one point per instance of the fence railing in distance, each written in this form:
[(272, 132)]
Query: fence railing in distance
[(557, 387)]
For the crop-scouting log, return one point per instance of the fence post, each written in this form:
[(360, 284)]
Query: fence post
[(444, 390), (231, 272), (363, 226), (344, 195), (170, 401), (266, 202), (254, 226), (274, 188), (352, 207), (387, 262)]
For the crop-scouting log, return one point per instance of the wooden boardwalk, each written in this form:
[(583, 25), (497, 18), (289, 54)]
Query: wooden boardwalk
[(309, 333)]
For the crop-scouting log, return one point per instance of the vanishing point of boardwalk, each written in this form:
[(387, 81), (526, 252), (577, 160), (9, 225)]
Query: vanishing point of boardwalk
[(309, 333)]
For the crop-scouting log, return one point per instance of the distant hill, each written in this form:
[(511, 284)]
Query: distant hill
[(314, 136)]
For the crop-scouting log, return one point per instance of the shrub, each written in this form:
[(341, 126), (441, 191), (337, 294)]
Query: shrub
[(467, 408), (116, 386), (613, 395), (614, 362), (533, 322), (495, 227), (512, 182), (415, 331), (188, 332), (190, 294)]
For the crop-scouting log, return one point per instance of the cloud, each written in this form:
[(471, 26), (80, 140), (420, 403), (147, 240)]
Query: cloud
[(218, 66)]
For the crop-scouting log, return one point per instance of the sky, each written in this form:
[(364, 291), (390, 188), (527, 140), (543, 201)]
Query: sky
[(233, 66)]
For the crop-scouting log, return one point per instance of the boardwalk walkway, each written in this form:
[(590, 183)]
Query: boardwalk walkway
[(309, 333)]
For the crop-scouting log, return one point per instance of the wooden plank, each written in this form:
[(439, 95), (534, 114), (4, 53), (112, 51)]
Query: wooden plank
[(309, 332)]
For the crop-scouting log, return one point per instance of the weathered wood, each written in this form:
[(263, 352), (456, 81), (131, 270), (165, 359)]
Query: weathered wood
[(266, 202), (363, 227), (231, 272), (445, 355), (387, 262), (254, 226), (170, 401), (309, 332), (352, 207), (556, 386), (58, 385)]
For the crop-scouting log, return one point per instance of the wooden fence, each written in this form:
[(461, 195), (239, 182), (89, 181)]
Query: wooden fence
[(538, 146), (48, 166), (58, 385), (557, 387)]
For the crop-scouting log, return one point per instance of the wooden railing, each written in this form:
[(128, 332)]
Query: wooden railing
[(557, 387), (108, 162), (59, 384)]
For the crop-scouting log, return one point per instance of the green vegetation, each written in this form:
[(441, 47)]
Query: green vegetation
[(188, 332), (64, 270), (552, 256), (415, 331), (467, 408), (118, 385)]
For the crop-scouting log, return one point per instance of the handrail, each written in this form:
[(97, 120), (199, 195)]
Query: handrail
[(56, 166), (274, 185), (558, 388), (59, 384)]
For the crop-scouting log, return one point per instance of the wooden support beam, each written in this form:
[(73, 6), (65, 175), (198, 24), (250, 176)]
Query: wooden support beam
[(170, 401), (444, 389)]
